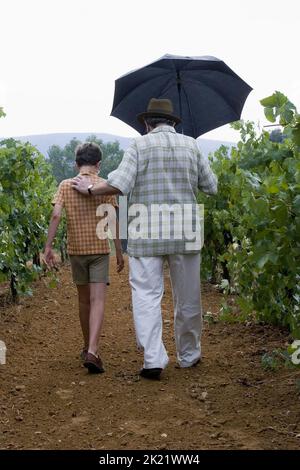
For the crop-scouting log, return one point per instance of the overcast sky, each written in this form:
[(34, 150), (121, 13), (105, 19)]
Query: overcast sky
[(59, 58)]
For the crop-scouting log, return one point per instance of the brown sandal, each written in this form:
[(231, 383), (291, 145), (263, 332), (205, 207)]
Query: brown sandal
[(93, 364)]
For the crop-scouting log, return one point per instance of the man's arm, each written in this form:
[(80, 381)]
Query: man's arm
[(54, 223), (82, 184), (207, 180)]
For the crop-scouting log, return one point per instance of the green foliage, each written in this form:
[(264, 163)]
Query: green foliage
[(277, 136), (210, 318), (278, 357), (26, 189), (270, 362), (2, 113), (252, 227), (62, 160), (278, 105)]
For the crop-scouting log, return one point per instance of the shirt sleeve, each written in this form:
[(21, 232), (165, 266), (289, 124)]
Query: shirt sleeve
[(59, 196), (123, 178), (207, 180)]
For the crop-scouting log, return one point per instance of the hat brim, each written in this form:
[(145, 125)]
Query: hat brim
[(141, 117)]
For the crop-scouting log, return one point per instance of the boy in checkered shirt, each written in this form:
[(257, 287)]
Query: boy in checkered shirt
[(88, 248)]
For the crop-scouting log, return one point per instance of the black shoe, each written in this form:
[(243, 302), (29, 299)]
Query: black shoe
[(197, 362), (152, 374)]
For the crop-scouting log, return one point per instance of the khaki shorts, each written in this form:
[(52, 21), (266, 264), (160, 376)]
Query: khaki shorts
[(90, 268)]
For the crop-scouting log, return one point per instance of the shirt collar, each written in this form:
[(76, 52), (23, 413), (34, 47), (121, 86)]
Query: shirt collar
[(88, 171), (164, 128)]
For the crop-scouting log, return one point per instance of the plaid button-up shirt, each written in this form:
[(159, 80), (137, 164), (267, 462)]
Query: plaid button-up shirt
[(82, 219), (162, 167)]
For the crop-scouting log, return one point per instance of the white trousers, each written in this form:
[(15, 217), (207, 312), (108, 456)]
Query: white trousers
[(147, 284)]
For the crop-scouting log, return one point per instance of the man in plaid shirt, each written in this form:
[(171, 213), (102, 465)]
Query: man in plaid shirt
[(89, 253), (162, 172)]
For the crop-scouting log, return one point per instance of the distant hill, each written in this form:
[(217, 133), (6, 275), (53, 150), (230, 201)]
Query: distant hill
[(44, 141)]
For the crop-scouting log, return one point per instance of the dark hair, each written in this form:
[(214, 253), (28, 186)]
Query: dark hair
[(154, 121), (88, 154)]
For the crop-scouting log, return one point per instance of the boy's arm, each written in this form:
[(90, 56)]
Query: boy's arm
[(118, 247), (54, 223)]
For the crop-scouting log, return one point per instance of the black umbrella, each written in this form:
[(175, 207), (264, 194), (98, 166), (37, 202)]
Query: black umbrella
[(205, 92)]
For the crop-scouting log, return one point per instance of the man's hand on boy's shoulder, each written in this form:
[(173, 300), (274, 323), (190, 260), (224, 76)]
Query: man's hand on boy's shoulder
[(120, 261), (81, 184)]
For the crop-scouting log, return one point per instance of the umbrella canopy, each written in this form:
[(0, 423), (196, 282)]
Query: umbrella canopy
[(205, 92)]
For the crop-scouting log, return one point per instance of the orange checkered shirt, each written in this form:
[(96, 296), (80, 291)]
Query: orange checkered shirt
[(81, 216)]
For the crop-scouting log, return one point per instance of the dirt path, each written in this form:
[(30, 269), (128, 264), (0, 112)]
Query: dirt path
[(48, 401)]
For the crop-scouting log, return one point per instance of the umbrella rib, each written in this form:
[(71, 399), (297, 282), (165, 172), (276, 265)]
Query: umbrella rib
[(198, 81), (139, 85), (190, 111)]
